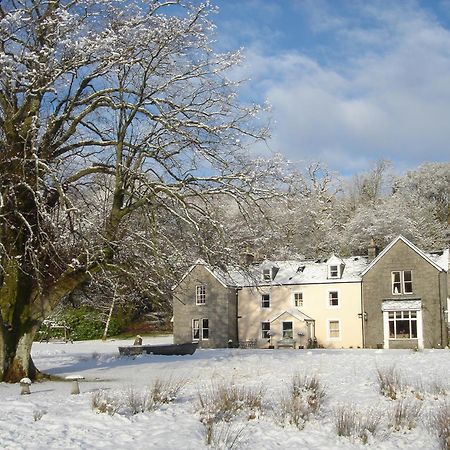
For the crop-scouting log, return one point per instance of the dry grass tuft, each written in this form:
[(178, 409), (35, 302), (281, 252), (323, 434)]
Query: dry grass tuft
[(405, 414), (389, 382), (357, 424), (440, 424), (303, 400)]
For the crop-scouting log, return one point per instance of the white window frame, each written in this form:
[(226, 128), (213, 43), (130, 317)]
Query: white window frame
[(261, 301), (402, 282), (200, 294), (329, 337), (298, 300), (193, 328), (331, 270), (337, 298), (282, 329), (264, 332), (386, 328), (267, 274), (204, 328), (402, 316)]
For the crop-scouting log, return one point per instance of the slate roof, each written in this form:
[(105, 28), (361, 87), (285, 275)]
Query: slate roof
[(292, 272), (298, 272)]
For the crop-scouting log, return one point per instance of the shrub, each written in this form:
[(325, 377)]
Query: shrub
[(304, 399), (164, 391), (86, 323), (137, 402), (405, 414), (223, 435), (134, 402), (38, 414), (440, 424), (104, 403), (357, 424), (389, 382), (224, 401), (438, 387)]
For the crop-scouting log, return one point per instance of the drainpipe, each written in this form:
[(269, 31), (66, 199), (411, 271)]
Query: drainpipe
[(441, 309), (363, 315), (237, 315)]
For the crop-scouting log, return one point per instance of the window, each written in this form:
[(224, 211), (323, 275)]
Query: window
[(200, 294), (267, 274), (298, 299), (265, 301), (402, 282), (195, 329), (288, 330), (333, 298), (407, 282), (205, 329), (334, 272), (403, 324), (334, 329), (265, 330)]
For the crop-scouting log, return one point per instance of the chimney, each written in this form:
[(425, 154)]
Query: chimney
[(372, 250)]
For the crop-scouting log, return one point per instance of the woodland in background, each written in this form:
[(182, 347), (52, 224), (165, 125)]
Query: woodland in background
[(315, 214), (125, 155)]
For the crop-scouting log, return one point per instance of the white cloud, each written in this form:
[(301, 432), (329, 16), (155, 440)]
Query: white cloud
[(384, 99)]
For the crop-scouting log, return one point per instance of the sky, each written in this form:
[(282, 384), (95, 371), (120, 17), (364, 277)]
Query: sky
[(349, 81)]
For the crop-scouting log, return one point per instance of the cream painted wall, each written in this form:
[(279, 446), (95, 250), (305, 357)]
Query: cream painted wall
[(315, 305)]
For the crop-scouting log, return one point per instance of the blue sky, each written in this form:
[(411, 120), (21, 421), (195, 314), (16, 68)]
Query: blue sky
[(349, 81)]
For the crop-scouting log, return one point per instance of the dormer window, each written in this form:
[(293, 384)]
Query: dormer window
[(334, 271), (270, 273), (267, 274), (335, 267)]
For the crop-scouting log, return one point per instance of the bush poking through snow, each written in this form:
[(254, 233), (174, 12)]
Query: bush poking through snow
[(405, 414), (389, 382), (224, 401), (308, 387), (38, 414), (302, 401), (164, 391), (440, 424), (224, 435), (438, 388), (134, 402), (137, 402), (104, 403), (352, 423)]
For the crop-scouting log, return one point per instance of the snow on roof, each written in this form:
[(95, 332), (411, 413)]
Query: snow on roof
[(441, 258), (293, 312), (293, 272), (335, 261), (406, 305)]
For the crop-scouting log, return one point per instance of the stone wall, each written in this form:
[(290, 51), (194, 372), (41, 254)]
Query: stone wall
[(429, 285), (219, 309)]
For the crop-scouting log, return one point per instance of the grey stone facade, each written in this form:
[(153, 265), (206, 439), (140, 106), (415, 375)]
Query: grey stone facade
[(220, 309), (429, 289), (380, 308)]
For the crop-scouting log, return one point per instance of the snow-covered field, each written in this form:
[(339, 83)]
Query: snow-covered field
[(51, 418)]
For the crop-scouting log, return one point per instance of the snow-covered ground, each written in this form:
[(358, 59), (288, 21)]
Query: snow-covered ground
[(51, 418)]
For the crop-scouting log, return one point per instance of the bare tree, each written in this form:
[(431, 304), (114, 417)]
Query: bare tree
[(112, 89)]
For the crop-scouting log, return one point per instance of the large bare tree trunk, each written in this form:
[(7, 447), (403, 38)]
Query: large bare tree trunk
[(16, 362)]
